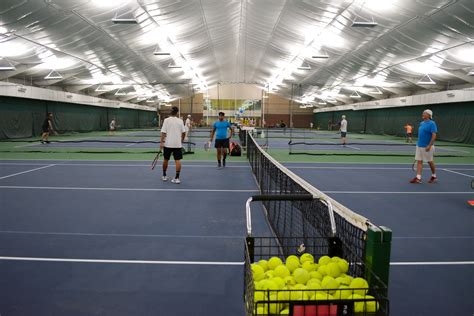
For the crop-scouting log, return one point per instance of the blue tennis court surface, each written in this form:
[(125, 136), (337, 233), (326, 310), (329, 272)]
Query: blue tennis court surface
[(106, 237), (433, 241), (95, 238)]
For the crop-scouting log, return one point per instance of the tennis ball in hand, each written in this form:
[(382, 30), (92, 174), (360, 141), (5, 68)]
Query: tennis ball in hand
[(306, 257), (360, 286), (301, 276), (281, 271), (274, 262)]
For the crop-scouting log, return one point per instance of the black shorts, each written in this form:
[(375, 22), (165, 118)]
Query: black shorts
[(409, 134), (222, 143), (343, 134), (177, 153), (45, 130)]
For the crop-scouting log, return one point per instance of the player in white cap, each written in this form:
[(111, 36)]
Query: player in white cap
[(425, 146)]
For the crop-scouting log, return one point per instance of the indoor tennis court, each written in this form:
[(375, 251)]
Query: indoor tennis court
[(270, 157)]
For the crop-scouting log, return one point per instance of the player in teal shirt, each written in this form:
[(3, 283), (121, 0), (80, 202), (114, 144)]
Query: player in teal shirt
[(425, 146), (221, 130)]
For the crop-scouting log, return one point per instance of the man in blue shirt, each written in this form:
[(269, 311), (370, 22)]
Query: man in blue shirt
[(221, 129), (425, 146)]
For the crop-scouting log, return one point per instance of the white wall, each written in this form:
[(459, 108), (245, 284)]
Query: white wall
[(239, 91), (429, 98), (20, 91)]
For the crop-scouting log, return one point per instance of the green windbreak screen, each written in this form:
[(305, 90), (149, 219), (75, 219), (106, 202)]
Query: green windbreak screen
[(21, 117), (455, 120)]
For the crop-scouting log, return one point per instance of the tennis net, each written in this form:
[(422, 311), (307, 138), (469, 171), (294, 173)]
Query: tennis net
[(320, 225)]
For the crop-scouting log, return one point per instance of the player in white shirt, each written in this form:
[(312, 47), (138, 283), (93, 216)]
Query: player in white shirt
[(187, 126), (172, 136), (343, 130)]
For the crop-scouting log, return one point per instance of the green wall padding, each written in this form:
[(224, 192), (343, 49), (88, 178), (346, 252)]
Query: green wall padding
[(21, 117), (455, 120)]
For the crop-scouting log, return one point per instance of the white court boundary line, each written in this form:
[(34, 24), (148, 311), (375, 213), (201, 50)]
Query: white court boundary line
[(204, 263), (18, 232), (396, 192), (431, 263), (367, 168), (78, 260), (459, 173), (27, 171), (124, 189), (120, 165)]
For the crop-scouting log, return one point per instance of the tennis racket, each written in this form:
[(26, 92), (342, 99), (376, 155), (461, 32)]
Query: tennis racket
[(413, 166), (155, 161), (207, 145)]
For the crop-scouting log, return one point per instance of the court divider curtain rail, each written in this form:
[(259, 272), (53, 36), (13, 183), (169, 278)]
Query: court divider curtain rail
[(455, 120)]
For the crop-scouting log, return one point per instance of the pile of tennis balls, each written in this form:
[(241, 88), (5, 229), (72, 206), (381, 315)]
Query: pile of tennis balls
[(326, 279)]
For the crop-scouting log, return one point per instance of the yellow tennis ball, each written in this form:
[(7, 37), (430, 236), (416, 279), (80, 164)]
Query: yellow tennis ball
[(371, 306), (335, 259), (263, 264), (262, 310), (301, 276), (283, 295), (321, 296), (257, 272), (313, 281), (343, 265), (316, 275), (324, 260), (323, 270), (306, 257), (259, 296), (274, 262), (329, 283), (279, 282), (333, 269), (290, 280), (281, 271), (342, 293), (344, 279), (286, 311), (313, 286), (308, 266), (292, 263), (269, 274), (360, 286), (274, 307)]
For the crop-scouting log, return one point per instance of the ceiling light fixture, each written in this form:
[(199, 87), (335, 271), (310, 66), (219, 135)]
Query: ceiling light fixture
[(120, 92), (426, 80), (355, 95), (6, 65), (174, 66), (321, 55), (101, 88), (377, 91), (305, 66), (53, 74)]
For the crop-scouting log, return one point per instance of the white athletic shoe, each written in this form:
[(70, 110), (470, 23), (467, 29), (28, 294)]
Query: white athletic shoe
[(176, 181), (164, 178)]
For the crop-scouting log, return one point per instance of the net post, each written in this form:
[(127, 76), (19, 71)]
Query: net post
[(250, 247), (377, 253)]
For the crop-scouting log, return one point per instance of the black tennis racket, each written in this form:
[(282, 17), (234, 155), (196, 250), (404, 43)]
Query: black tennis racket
[(155, 161), (413, 166)]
